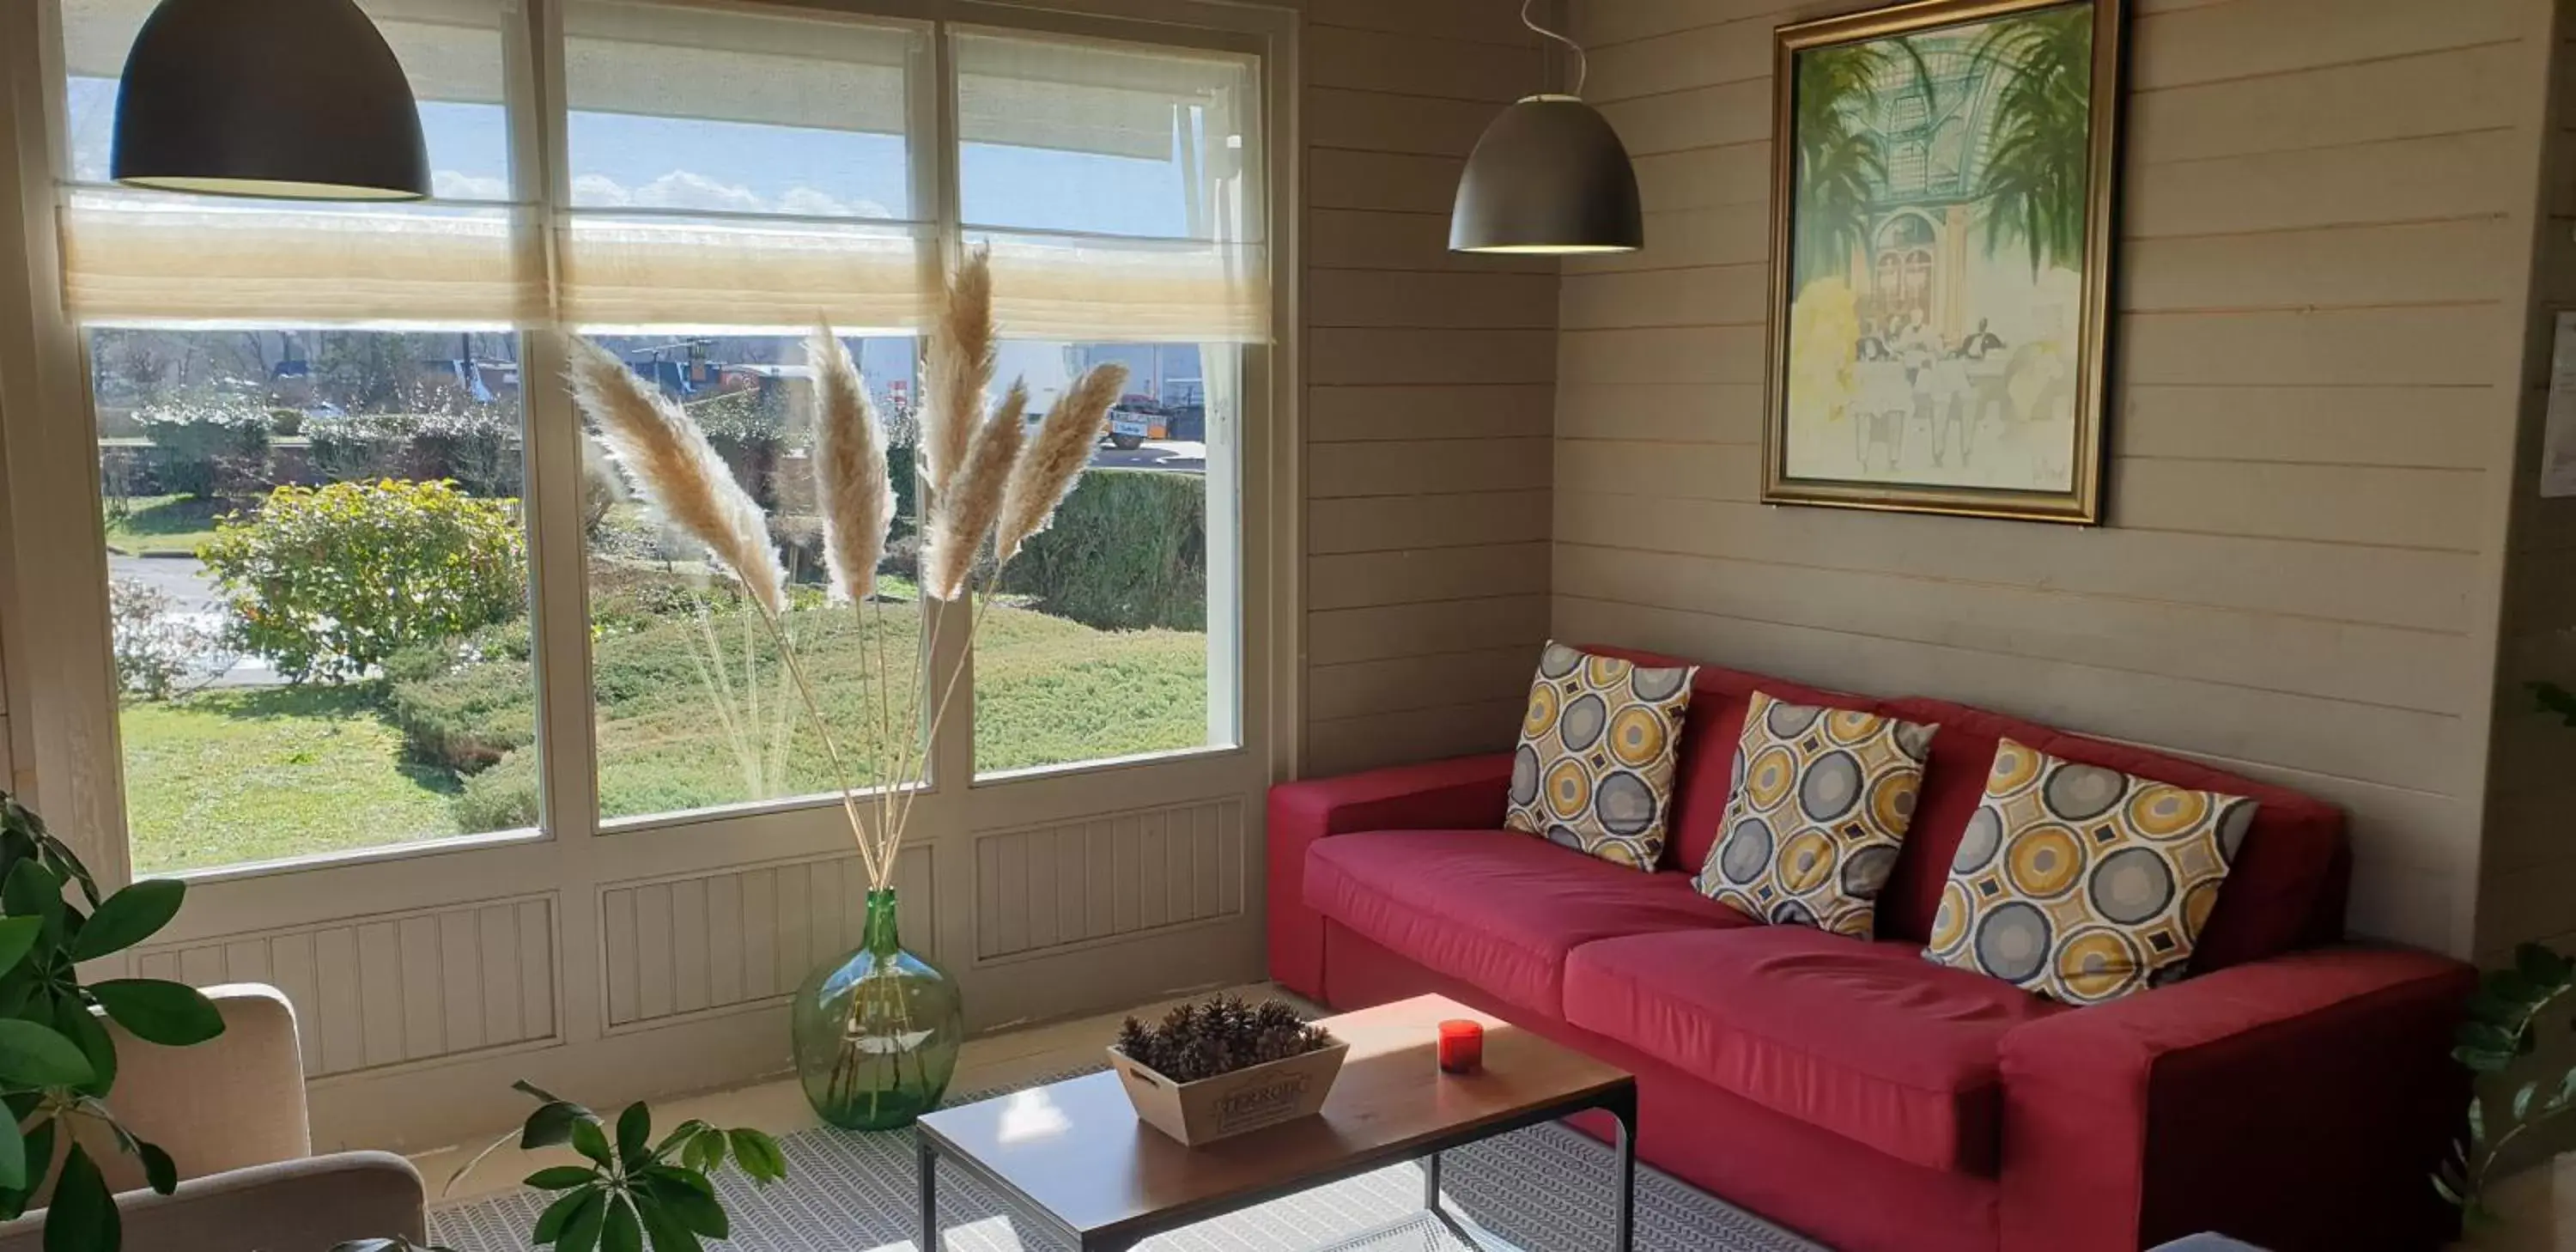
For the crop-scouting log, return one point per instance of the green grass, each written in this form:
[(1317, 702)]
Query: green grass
[(165, 525), (228, 776)]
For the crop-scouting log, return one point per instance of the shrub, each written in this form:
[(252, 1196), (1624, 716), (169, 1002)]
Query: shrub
[(1128, 551), (206, 446), (468, 717), (330, 582), (503, 797), (160, 652), (477, 448)]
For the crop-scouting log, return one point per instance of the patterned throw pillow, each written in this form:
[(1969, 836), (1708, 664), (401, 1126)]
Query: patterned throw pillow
[(1819, 806), (1594, 770), (2081, 883)]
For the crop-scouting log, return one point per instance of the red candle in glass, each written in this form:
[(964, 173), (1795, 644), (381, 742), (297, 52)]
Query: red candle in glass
[(1462, 1046)]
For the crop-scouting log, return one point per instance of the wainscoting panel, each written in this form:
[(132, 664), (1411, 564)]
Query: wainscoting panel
[(712, 941), (1120, 874), (393, 989)]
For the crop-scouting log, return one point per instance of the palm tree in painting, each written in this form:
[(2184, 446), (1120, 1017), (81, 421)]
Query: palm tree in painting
[(2038, 167), (1841, 163)]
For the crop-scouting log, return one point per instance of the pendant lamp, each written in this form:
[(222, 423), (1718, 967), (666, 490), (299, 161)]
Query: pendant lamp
[(287, 99), (1549, 176)]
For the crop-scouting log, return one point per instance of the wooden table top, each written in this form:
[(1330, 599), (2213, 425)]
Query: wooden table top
[(1077, 1149)]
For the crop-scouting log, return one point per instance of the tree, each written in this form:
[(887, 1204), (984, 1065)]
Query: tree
[(1841, 163), (2037, 173)]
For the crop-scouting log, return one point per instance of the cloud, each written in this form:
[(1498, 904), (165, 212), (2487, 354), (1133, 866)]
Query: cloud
[(450, 185), (684, 189)]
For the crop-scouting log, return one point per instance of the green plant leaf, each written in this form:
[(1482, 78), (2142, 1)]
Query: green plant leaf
[(634, 1132), (704, 1150), (551, 1124), (684, 1179), (171, 1014), (550, 1224), (39, 1056), (622, 1232), (2445, 1189), (561, 1178), (31, 890), (695, 1210), (158, 1169), (40, 1148), (581, 1230), (83, 1028), (18, 937), (667, 1233), (2477, 1120), (129, 917), (524, 1087), (679, 1137), (13, 1158), (589, 1140), (2522, 1100), (82, 1216), (758, 1155)]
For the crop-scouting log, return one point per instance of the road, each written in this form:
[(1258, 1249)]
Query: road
[(1159, 454)]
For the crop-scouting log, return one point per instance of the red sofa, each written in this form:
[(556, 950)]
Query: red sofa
[(2294, 1092)]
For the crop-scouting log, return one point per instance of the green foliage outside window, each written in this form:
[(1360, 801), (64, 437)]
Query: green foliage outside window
[(330, 582), (206, 445)]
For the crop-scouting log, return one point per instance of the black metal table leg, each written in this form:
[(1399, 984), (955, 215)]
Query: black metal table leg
[(1431, 1181), (1624, 1233), (929, 1192)]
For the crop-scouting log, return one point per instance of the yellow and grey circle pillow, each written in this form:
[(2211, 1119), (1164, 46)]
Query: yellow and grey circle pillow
[(1594, 769), (2081, 883), (1819, 806)]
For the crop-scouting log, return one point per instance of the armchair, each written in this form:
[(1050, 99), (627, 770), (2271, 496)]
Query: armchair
[(231, 1113)]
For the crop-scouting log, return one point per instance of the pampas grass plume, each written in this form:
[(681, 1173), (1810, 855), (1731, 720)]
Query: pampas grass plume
[(1048, 467), (961, 371), (964, 514), (849, 469), (667, 457)]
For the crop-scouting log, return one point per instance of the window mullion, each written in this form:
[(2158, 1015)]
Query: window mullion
[(558, 564), (952, 754)]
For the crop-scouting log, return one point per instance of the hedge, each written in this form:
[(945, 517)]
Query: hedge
[(1128, 551)]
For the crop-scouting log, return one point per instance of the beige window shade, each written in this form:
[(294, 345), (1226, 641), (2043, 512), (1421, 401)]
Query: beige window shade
[(138, 256), (761, 258), (1171, 246)]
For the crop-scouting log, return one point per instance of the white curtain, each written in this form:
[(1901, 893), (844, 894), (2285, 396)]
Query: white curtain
[(1157, 231)]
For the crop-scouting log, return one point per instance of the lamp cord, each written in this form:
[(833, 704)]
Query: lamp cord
[(1579, 64)]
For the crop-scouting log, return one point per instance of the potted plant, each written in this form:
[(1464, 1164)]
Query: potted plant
[(630, 1192), (1222, 1068)]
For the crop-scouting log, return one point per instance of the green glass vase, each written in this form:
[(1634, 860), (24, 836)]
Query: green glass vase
[(877, 1030)]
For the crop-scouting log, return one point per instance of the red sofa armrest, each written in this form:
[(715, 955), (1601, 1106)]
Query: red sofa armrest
[(1466, 793), (2298, 1103)]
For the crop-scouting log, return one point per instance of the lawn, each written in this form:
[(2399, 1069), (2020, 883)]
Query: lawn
[(165, 525), (235, 775), (227, 776)]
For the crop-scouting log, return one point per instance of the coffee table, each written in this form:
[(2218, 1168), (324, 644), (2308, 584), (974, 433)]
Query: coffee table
[(1074, 1153)]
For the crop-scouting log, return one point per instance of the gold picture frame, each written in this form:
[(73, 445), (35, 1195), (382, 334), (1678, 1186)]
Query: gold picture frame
[(1923, 306)]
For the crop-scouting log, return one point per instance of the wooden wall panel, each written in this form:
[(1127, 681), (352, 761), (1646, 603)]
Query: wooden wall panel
[(2326, 242), (1113, 876), (675, 946), (1430, 375), (395, 988)]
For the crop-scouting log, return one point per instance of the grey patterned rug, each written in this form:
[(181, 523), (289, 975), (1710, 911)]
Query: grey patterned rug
[(1545, 1189)]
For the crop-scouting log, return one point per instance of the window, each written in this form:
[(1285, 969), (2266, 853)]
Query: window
[(716, 178), (316, 547)]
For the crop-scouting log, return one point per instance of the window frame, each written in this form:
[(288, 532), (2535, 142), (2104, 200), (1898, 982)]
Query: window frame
[(54, 667)]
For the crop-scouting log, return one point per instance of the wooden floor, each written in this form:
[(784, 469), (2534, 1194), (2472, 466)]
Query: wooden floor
[(1008, 1059)]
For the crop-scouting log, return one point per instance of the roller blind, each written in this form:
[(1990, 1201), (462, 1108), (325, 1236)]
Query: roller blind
[(1118, 186), (739, 167), (139, 256)]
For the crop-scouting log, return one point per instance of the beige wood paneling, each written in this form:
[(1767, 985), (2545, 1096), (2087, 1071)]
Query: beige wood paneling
[(1114, 875), (394, 988), (1427, 458), (2327, 238)]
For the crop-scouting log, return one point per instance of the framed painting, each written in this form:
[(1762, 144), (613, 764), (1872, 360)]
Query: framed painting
[(1940, 258)]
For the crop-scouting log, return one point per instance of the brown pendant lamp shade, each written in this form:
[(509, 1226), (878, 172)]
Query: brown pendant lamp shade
[(1549, 176), (288, 99)]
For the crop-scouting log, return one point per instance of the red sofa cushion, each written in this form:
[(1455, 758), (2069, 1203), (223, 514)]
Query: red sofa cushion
[(1704, 772), (2285, 892), (1495, 909), (1865, 1039)]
